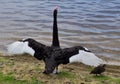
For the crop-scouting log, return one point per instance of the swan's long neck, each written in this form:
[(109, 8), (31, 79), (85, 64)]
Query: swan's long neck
[(55, 40)]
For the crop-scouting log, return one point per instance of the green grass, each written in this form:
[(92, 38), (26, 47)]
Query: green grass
[(35, 81), (9, 79), (4, 60), (37, 68), (104, 78), (107, 78), (118, 81), (66, 74), (101, 78)]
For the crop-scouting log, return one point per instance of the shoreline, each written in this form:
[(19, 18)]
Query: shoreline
[(25, 68), (109, 61)]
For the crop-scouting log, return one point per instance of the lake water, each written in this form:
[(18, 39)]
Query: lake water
[(94, 24)]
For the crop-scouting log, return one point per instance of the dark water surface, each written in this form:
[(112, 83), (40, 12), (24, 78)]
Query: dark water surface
[(91, 23)]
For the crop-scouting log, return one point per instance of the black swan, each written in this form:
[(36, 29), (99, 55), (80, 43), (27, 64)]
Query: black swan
[(59, 56), (53, 55), (69, 55)]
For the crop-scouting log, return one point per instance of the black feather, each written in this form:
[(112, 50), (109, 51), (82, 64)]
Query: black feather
[(57, 56), (37, 47)]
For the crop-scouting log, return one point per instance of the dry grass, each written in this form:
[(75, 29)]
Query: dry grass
[(24, 69)]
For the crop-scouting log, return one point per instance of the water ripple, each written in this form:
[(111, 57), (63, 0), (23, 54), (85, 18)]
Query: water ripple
[(91, 23)]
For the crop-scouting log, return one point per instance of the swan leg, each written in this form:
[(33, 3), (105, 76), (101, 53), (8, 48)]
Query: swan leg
[(56, 70)]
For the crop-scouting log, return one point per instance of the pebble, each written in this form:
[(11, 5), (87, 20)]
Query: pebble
[(68, 82), (1, 66), (82, 83), (82, 77), (88, 80), (46, 81), (12, 58)]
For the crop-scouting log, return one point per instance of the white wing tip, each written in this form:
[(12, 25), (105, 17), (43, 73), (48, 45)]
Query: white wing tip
[(86, 58)]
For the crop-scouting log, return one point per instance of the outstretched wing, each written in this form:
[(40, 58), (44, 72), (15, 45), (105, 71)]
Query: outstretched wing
[(19, 48), (29, 46), (87, 58), (78, 54)]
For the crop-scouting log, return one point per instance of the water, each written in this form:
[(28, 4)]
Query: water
[(91, 23)]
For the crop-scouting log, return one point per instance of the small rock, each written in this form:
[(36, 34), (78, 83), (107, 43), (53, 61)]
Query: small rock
[(30, 70), (82, 77), (116, 75), (103, 82), (46, 81), (12, 58), (39, 71), (10, 63), (88, 80), (1, 66), (82, 83), (38, 64), (68, 82)]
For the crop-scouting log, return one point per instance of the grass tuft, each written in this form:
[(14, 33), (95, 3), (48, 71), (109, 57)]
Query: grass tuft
[(101, 77), (67, 74), (35, 81), (9, 79), (118, 81)]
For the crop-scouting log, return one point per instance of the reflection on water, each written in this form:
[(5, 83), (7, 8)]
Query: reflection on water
[(91, 23)]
